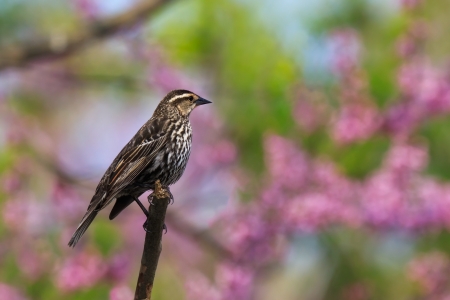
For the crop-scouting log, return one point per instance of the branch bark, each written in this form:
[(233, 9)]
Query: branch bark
[(60, 45), (152, 246)]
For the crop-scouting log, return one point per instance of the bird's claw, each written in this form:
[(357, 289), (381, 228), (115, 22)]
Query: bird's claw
[(171, 198), (145, 226), (150, 199)]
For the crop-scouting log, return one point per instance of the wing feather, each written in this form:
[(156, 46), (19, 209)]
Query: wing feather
[(132, 164)]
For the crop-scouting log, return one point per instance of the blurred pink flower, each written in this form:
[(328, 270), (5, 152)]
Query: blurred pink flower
[(408, 158), (427, 86), (81, 271), (309, 116), (88, 9), (118, 267), (355, 122), (234, 281), (121, 292), (10, 183), (410, 4), (198, 287), (432, 272), (402, 119), (285, 162), (66, 203), (310, 212), (406, 46), (163, 75), (384, 201), (32, 262), (26, 215), (18, 130), (219, 153), (356, 291), (10, 293), (250, 237), (346, 49)]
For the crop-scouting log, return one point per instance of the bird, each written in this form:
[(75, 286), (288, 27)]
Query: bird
[(160, 151)]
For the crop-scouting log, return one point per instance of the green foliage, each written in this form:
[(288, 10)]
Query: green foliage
[(105, 237), (255, 75), (438, 141)]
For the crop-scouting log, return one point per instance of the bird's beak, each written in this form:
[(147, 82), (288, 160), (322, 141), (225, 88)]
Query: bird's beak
[(201, 101)]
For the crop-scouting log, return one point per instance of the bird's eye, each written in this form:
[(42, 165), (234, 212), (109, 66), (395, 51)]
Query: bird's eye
[(190, 98)]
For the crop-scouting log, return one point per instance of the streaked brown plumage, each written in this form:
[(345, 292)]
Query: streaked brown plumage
[(159, 150)]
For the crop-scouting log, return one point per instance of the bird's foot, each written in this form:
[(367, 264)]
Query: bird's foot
[(145, 227), (166, 188), (171, 198), (150, 199)]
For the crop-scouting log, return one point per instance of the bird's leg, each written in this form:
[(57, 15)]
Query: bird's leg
[(150, 200), (145, 212), (141, 206)]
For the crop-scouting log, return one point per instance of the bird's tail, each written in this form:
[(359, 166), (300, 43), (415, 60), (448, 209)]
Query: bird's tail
[(85, 222)]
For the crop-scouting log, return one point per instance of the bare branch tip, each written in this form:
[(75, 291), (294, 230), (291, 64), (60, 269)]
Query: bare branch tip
[(160, 192)]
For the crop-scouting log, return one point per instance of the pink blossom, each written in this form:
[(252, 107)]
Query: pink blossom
[(87, 8), (346, 49), (10, 293), (406, 46), (32, 262), (356, 291), (355, 122), (309, 116), (431, 271), (285, 162), (311, 212), (250, 236), (403, 157), (198, 287), (121, 292), (11, 183), (81, 271), (163, 75), (66, 202), (219, 153), (118, 267), (385, 200), (410, 4), (234, 281), (402, 119), (427, 86), (26, 215)]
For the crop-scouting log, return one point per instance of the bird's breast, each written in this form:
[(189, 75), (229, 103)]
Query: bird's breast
[(170, 163)]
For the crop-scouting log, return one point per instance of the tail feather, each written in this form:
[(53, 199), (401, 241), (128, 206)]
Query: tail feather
[(87, 220)]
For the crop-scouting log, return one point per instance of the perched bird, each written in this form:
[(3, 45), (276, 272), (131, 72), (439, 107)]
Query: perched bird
[(159, 150)]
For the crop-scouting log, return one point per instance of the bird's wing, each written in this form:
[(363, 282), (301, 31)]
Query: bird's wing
[(133, 163)]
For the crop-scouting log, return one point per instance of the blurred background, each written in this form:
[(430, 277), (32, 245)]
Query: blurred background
[(321, 171)]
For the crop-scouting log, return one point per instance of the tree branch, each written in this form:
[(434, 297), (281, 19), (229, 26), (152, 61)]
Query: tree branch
[(152, 246), (60, 45)]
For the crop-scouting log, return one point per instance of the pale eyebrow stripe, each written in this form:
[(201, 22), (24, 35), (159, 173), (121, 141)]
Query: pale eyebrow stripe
[(179, 96)]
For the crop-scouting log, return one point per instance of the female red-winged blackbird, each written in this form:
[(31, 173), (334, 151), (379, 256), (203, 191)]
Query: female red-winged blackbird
[(159, 150)]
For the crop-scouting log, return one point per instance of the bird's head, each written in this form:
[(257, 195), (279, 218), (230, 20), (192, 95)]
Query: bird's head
[(184, 101)]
